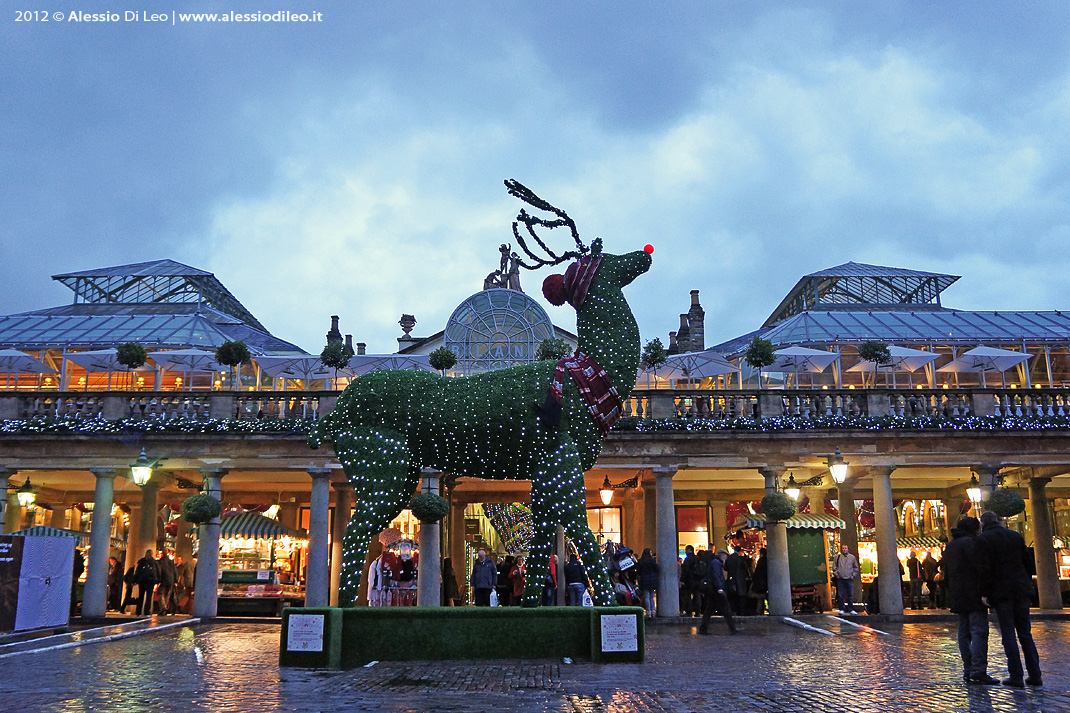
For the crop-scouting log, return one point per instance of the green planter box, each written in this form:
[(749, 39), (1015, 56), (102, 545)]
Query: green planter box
[(353, 637)]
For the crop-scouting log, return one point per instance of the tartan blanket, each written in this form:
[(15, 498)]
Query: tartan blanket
[(603, 401)]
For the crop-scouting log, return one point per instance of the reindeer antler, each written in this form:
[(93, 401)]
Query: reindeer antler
[(518, 190)]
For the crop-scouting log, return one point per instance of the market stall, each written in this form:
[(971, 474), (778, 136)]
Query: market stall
[(812, 543), (393, 574), (257, 565)]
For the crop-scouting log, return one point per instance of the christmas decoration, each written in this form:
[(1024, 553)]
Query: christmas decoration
[(388, 425), (513, 523), (429, 507), (201, 508), (778, 506), (1005, 502)]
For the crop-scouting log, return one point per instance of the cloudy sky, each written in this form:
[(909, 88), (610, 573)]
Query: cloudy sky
[(354, 166)]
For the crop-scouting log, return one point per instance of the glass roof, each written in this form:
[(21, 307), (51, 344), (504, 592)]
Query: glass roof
[(940, 326), (161, 281), (496, 328), (856, 285)]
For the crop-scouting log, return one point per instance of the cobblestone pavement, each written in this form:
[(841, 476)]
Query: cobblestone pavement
[(770, 667)]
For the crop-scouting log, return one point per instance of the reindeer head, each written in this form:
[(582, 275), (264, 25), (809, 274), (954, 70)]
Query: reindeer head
[(589, 263)]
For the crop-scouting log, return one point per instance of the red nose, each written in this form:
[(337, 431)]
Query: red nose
[(649, 249)]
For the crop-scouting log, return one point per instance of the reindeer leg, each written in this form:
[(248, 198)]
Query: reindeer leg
[(542, 544), (376, 463)]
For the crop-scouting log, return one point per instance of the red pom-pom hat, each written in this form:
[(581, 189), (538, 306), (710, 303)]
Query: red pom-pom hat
[(573, 285)]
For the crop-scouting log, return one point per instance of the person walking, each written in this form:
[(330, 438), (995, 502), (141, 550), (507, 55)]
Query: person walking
[(165, 592), (115, 584), (183, 585), (576, 579), (504, 586), (713, 585), (963, 568), (484, 578), (549, 585), (648, 580), (690, 597), (451, 593), (759, 583), (844, 569), (517, 575), (914, 568), (146, 575), (1007, 588), (737, 570)]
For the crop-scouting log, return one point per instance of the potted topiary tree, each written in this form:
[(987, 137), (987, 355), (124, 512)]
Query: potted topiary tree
[(335, 355), (877, 353), (653, 356), (429, 507), (131, 355), (759, 354), (552, 349), (199, 509), (233, 354), (777, 506), (442, 359), (1005, 502)]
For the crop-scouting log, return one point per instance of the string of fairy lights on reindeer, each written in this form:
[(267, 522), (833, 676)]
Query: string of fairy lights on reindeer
[(543, 422)]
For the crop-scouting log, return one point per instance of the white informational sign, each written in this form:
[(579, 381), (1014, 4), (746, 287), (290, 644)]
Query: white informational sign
[(619, 632), (264, 574), (305, 632)]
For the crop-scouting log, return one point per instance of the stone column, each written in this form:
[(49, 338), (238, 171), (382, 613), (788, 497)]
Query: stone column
[(343, 505), (429, 573), (149, 515), (668, 598), (718, 524), (951, 513), (776, 552), (318, 574), (845, 493), (891, 582), (1047, 567), (5, 477), (13, 511), (133, 543), (650, 517), (95, 594), (988, 477), (205, 595)]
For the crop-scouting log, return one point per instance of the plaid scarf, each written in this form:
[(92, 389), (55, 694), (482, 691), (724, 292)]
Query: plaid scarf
[(597, 390)]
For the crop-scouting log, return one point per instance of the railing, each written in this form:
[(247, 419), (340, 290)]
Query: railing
[(197, 405), (805, 404)]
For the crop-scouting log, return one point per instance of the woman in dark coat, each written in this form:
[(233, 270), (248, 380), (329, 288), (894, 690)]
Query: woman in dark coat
[(450, 592), (759, 584), (648, 580)]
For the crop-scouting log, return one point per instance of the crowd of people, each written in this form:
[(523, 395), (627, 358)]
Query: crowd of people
[(155, 584)]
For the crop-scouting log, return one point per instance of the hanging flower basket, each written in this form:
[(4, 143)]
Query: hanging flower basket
[(428, 507), (777, 506), (201, 508), (1005, 502)]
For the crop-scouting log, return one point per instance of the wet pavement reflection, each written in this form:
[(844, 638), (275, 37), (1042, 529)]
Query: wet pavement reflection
[(771, 667)]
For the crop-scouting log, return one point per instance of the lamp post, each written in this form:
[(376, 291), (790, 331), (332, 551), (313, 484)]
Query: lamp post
[(973, 491), (26, 494), (792, 489), (606, 492), (141, 469), (838, 466)]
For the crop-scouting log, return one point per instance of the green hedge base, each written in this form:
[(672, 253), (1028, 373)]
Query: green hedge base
[(334, 638)]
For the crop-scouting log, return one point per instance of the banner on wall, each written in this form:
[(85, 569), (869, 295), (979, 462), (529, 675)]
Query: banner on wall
[(36, 575)]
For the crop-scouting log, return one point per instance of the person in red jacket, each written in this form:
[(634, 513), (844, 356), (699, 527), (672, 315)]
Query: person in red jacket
[(549, 585), (516, 576)]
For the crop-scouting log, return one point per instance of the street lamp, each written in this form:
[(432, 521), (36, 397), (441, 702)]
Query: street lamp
[(838, 466), (141, 469), (25, 494), (606, 492), (792, 489), (973, 490)]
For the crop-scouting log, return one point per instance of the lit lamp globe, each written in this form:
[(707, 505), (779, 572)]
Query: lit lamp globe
[(973, 491), (606, 492), (141, 469), (792, 489), (25, 495), (838, 466)]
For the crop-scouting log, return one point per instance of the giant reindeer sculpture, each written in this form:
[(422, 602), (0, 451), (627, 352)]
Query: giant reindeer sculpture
[(527, 422)]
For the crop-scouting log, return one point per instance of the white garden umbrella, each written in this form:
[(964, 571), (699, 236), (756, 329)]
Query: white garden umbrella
[(985, 360), (366, 363), (903, 359), (696, 365), (12, 361), (187, 361), (306, 367), (102, 360), (796, 359)]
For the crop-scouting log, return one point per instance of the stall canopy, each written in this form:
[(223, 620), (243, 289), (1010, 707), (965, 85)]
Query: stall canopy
[(802, 520), (254, 525), (44, 531)]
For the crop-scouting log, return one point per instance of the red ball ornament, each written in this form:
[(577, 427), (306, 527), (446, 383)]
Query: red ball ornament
[(648, 249), (553, 288)]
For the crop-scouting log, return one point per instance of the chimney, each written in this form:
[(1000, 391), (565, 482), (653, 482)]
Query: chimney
[(696, 319), (334, 335), (349, 343), (683, 335), (673, 348), (361, 347)]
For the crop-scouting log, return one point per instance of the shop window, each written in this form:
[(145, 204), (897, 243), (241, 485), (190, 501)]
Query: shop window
[(692, 527), (605, 524)]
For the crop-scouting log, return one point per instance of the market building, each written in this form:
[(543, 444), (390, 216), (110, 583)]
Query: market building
[(686, 467)]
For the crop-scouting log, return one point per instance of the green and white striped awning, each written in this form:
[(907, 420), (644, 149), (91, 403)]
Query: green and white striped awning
[(253, 525), (920, 541), (45, 531), (801, 520)]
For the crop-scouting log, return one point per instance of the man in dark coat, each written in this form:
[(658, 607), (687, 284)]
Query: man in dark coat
[(690, 597), (147, 576), (914, 567), (963, 568), (168, 576), (484, 578), (1007, 588), (115, 584), (713, 586), (737, 569)]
